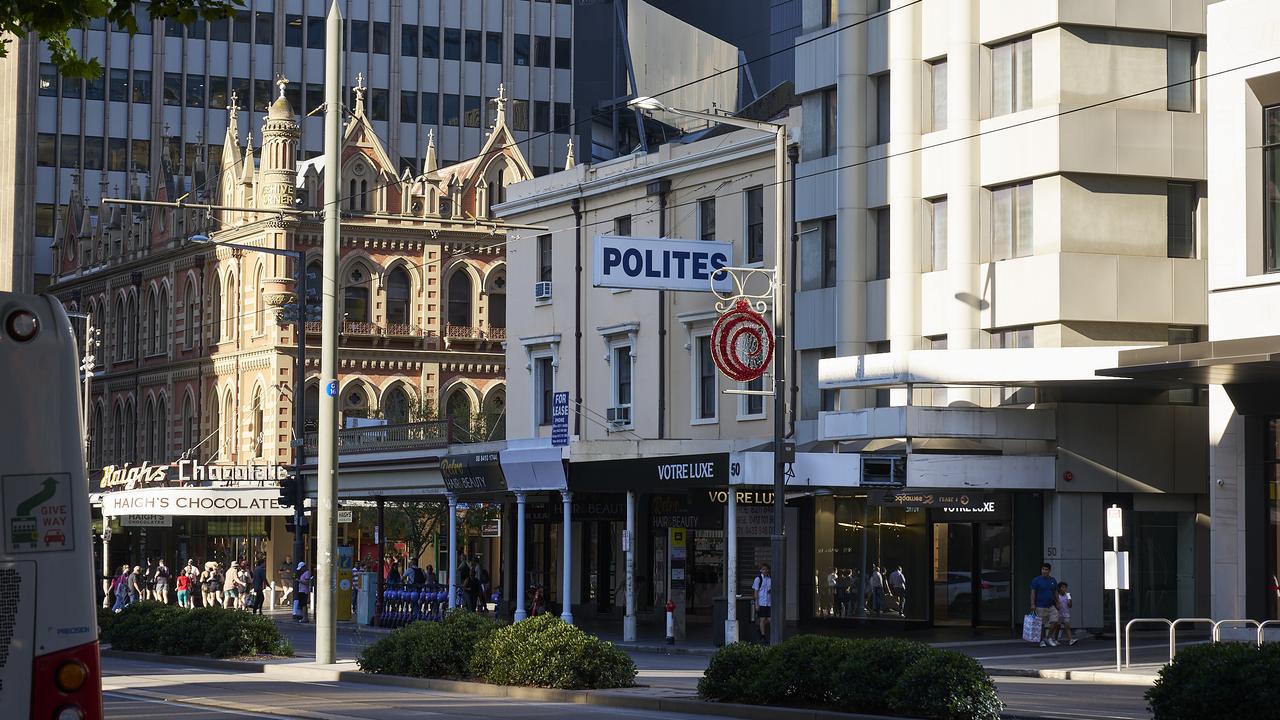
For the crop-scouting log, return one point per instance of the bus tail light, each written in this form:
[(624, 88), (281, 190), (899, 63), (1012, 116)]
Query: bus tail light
[(67, 685)]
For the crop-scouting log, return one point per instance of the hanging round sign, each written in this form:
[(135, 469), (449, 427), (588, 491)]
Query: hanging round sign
[(742, 343)]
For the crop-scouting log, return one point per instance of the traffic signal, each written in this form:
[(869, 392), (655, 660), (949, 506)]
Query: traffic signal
[(288, 492), (291, 528)]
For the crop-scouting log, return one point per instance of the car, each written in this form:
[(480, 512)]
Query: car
[(55, 537)]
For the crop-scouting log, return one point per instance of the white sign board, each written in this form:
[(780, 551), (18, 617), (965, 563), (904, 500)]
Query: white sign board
[(146, 520), (1115, 522), (650, 264), (37, 513), (1115, 570), (207, 501), (344, 516)]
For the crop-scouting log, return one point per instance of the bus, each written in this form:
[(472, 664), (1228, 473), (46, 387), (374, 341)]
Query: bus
[(49, 663)]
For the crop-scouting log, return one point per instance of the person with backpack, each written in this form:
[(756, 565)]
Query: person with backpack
[(762, 600)]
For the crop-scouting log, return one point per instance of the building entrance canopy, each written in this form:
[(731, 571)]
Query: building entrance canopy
[(202, 501)]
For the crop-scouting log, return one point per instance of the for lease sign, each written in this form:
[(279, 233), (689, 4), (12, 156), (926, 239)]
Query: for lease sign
[(659, 264)]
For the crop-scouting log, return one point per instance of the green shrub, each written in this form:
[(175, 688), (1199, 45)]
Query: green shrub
[(945, 685), (155, 627), (546, 652), (106, 618), (1227, 679), (862, 680), (732, 672), (430, 649), (799, 672)]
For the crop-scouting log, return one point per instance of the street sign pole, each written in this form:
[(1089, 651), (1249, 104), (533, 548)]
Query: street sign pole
[(1115, 528)]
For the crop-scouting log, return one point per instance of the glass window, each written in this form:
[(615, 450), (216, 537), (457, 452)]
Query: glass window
[(315, 97), (117, 154), (1271, 486), (431, 42), (542, 51), (1271, 187), (293, 30), (195, 91), (196, 30), (382, 38), (1011, 77), (1182, 220), (142, 13), (493, 47), (829, 253), (69, 155), (452, 115), (355, 295), (263, 28), (830, 126), (560, 122), (473, 46), (754, 198), (263, 93), (142, 86), (48, 80), (46, 150), (564, 53), (705, 378), (881, 229), (408, 106), (936, 217), (409, 40), (95, 88), (46, 220), (140, 155), (359, 41), (520, 46), (242, 88), (621, 376), (242, 27), (544, 258), (315, 31), (471, 111), (519, 115), (93, 150), (378, 104), (118, 85), (220, 30), (1011, 221), (881, 83), (172, 28), (622, 226), (545, 379), (707, 219), (938, 95), (1012, 338), (1182, 70), (452, 44), (398, 297), (218, 93), (541, 116), (70, 87), (172, 89), (861, 551), (430, 108), (753, 405)]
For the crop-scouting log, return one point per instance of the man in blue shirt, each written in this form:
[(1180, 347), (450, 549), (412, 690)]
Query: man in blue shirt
[(1042, 591)]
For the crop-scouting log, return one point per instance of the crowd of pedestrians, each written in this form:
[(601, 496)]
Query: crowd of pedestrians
[(234, 586)]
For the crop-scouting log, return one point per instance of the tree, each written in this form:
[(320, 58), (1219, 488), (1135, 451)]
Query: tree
[(52, 20), (418, 522)]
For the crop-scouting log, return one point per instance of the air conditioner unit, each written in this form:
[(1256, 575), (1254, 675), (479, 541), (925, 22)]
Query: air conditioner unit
[(619, 416), (542, 290)]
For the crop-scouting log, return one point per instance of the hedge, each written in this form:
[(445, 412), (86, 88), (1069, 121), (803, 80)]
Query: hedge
[(170, 630), (882, 676), (1227, 680), (429, 649)]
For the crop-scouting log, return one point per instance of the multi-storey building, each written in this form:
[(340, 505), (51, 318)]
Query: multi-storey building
[(197, 365), (999, 195), (430, 66)]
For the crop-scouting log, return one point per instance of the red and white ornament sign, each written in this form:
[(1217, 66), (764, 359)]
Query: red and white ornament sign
[(742, 343)]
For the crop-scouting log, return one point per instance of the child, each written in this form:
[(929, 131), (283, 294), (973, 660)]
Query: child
[(1063, 602)]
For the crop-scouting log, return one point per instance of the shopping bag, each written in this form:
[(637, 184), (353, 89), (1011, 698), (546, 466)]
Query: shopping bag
[(1032, 627)]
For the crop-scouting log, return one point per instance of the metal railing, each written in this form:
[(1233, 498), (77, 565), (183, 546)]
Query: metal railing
[(1173, 632), (429, 435), (1262, 627), (1215, 632), (1234, 622), (1128, 646)]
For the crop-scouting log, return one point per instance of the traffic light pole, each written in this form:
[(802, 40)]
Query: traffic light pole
[(299, 406)]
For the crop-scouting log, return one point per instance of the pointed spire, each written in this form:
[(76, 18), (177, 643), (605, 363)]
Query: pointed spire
[(359, 91), (86, 224), (231, 141), (569, 161), (429, 164), (246, 173), (501, 102)]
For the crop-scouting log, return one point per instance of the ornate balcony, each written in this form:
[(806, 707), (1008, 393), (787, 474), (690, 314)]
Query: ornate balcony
[(428, 435)]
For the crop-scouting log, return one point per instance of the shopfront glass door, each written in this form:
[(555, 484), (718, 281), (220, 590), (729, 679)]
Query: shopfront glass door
[(972, 574), (995, 574)]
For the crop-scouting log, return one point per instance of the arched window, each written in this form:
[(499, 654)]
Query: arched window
[(311, 409), (160, 452), (460, 299), (351, 196), (145, 325), (155, 327), (95, 437), (213, 447), (149, 431), (459, 409), (130, 432), (215, 307), (259, 312), (228, 428), (162, 329), (191, 318), (131, 320), (355, 295), (118, 434), (189, 438), (258, 429), (497, 293), (364, 194), (495, 414), (395, 405), (121, 340), (355, 402), (231, 316), (398, 297)]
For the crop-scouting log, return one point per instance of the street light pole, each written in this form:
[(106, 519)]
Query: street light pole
[(780, 451), (327, 448)]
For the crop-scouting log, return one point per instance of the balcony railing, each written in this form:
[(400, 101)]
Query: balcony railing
[(497, 333), (428, 435), (403, 330)]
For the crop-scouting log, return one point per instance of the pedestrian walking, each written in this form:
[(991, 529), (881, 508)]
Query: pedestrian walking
[(1062, 603), (877, 590), (301, 592), (120, 588), (183, 585), (209, 585), (192, 573), (1043, 605), (762, 600), (229, 586), (833, 592), (393, 574), (146, 581), (134, 584), (259, 584), (162, 582), (898, 589)]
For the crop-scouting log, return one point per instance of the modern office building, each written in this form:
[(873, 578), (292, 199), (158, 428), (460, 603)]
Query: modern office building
[(995, 197), (429, 67)]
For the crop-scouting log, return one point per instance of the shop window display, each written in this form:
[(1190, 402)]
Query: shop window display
[(869, 562)]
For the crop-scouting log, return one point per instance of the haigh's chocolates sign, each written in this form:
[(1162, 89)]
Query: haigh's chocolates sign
[(188, 473)]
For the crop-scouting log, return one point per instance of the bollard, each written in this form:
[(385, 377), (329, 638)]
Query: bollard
[(671, 623)]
